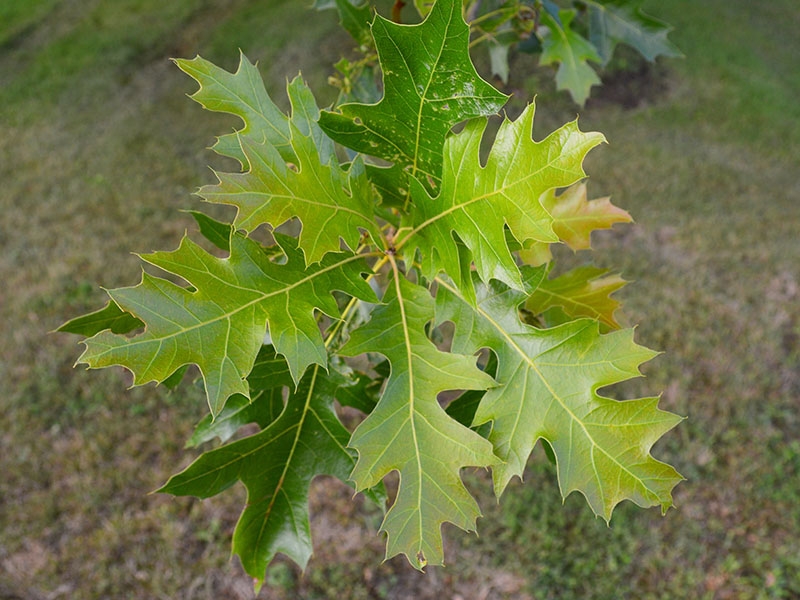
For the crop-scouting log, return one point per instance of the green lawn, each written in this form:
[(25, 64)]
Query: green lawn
[(100, 149)]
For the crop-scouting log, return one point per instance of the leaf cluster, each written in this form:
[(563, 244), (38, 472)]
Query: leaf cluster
[(383, 224), (577, 37)]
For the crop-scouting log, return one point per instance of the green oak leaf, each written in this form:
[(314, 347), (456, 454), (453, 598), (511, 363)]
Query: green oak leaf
[(582, 292), (571, 51), (267, 380), (429, 85), (548, 390), (477, 202), (623, 21), (242, 94), (220, 323), (277, 466), (408, 431), (331, 203)]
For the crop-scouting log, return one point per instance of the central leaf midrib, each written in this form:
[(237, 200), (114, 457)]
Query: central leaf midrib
[(229, 314), (279, 485), (411, 407), (483, 196), (423, 98)]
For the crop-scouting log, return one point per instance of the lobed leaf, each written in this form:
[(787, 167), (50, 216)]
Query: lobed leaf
[(623, 21), (242, 94), (548, 389), (220, 324), (331, 203), (409, 432), (574, 220), (477, 203), (277, 466), (110, 317), (582, 292), (267, 380), (571, 51), (429, 85)]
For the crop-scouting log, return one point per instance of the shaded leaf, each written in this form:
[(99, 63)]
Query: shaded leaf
[(410, 432), (277, 466), (220, 324), (267, 380), (549, 380), (623, 21), (216, 232), (354, 16), (570, 51), (110, 317), (581, 292)]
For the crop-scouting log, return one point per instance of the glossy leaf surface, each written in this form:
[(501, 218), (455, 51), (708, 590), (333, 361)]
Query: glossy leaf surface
[(410, 432), (221, 323), (548, 389)]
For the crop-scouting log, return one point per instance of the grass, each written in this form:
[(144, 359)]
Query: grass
[(99, 148)]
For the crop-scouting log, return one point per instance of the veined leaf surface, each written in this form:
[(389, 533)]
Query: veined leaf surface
[(477, 202), (220, 324), (331, 203), (548, 389), (242, 94), (267, 380), (410, 432), (582, 292), (277, 466), (574, 219), (430, 85)]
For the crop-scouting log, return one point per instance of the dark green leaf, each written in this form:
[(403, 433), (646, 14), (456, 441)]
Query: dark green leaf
[(429, 84), (110, 317), (277, 466), (267, 381), (623, 21)]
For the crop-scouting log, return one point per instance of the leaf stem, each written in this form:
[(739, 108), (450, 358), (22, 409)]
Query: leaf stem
[(346, 313)]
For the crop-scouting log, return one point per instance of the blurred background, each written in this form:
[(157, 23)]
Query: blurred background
[(100, 150)]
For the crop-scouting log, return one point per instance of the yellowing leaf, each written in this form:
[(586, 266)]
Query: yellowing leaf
[(409, 432), (575, 217), (581, 292), (574, 220)]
